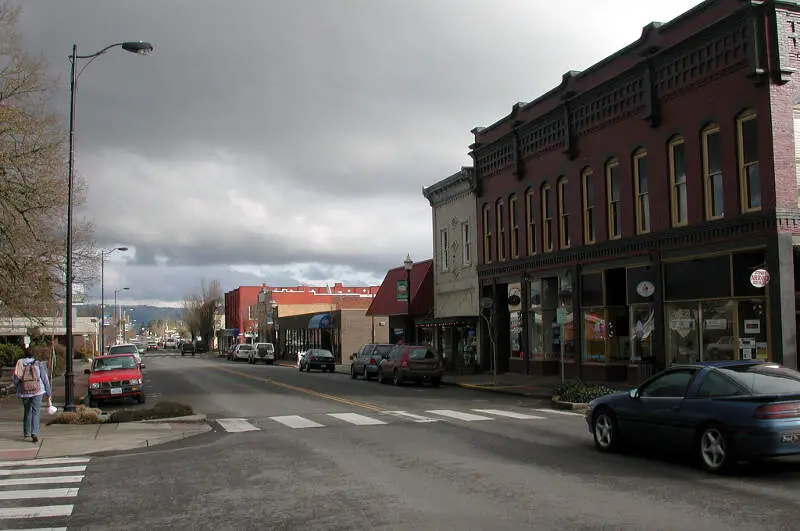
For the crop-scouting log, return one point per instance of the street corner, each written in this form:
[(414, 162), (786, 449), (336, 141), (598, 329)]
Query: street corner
[(513, 390)]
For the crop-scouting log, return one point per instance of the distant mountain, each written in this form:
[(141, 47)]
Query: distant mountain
[(141, 314)]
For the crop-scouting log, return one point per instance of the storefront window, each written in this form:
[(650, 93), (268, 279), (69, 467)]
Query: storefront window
[(594, 335), (706, 331), (753, 330), (515, 331), (606, 335), (719, 342), (642, 328), (619, 335), (544, 330), (683, 345)]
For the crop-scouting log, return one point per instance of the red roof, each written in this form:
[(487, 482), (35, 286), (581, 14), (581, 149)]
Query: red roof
[(386, 303)]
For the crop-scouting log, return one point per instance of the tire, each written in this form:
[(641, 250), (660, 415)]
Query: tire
[(714, 449), (308, 368), (380, 376), (140, 398), (436, 382), (396, 378), (353, 374), (299, 368), (366, 373), (604, 429)]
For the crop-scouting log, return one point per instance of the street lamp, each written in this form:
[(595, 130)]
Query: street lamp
[(408, 264), (103, 254), (116, 307), (142, 48)]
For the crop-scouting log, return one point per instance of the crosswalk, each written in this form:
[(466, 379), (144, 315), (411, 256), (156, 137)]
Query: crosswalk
[(39, 493), (323, 420)]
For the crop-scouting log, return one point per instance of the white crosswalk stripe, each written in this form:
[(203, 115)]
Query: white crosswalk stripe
[(26, 484), (323, 420), (560, 412)]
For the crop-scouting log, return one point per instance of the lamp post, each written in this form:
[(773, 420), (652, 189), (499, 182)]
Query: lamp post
[(103, 254), (142, 48), (408, 264), (116, 307)]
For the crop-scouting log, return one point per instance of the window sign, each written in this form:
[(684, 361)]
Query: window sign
[(752, 326)]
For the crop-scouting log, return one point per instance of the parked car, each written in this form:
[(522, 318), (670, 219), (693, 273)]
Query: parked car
[(365, 362), (171, 343), (126, 348), (262, 351), (115, 376), (152, 345), (187, 348), (316, 358), (411, 363), (200, 346), (241, 352), (721, 412)]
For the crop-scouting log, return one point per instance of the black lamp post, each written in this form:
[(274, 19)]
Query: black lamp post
[(142, 48), (103, 254), (408, 264)]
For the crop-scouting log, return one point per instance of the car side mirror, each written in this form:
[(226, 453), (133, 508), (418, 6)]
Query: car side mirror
[(634, 393), (141, 365), (87, 371)]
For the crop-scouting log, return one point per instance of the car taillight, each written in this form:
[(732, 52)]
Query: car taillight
[(785, 410), (404, 361), (313, 358), (372, 361)]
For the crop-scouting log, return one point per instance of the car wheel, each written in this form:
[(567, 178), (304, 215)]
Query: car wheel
[(714, 449), (396, 378), (436, 382), (299, 368), (308, 368), (353, 374), (604, 428), (380, 376), (140, 398), (366, 373)]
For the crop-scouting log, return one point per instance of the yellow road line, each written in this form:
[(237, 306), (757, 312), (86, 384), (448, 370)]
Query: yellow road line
[(342, 400)]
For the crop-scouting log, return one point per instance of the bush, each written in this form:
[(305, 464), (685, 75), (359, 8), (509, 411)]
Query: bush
[(581, 393), (162, 410), (83, 354), (82, 415), (9, 354)]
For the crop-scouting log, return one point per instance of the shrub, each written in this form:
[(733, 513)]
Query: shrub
[(581, 393), (162, 410), (81, 415), (9, 354)]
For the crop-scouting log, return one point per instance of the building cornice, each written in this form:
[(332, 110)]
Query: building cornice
[(457, 185)]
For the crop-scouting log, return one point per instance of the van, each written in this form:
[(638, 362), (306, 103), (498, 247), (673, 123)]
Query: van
[(263, 351)]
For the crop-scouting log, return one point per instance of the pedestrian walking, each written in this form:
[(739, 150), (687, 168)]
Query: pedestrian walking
[(32, 383)]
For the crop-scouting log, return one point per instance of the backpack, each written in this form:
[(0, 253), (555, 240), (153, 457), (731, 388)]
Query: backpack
[(31, 381)]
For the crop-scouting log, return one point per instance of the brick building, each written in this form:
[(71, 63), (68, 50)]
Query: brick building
[(630, 206)]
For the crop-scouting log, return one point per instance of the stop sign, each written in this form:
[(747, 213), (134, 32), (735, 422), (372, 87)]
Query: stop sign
[(759, 278)]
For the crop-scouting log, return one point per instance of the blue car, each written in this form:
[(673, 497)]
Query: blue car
[(719, 412)]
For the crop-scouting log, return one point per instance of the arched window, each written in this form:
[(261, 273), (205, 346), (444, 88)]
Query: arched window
[(500, 207), (749, 175), (487, 234), (641, 191), (679, 205), (613, 195), (589, 229), (713, 198), (563, 213), (547, 219), (513, 223), (530, 220)]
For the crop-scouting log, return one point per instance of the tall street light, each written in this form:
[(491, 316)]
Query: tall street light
[(142, 48), (408, 264), (103, 254), (116, 307)]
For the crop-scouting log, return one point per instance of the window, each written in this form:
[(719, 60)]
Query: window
[(749, 176), (677, 179), (712, 173), (547, 219), (466, 244), (765, 380), (612, 188), (670, 385), (589, 232), (487, 234), (530, 215), (501, 230), (715, 385), (563, 213), (513, 222), (443, 244), (641, 189)]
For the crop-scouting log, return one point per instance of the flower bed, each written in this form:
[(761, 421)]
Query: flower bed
[(578, 392)]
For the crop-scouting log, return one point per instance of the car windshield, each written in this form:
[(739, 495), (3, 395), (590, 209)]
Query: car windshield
[(123, 349), (321, 352), (115, 363), (380, 350), (246, 347), (766, 379), (421, 354)]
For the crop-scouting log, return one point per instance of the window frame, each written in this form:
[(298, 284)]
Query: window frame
[(563, 212), (589, 225), (501, 230), (613, 207), (466, 244), (444, 243), (513, 223), (708, 182), (641, 198), (744, 185), (675, 218), (530, 221), (547, 218), (488, 234)]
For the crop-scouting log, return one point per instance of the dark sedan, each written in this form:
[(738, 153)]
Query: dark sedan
[(317, 358), (720, 412)]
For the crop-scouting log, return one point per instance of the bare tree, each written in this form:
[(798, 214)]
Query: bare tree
[(33, 187), (200, 308)]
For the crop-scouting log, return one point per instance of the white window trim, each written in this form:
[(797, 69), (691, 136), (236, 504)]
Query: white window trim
[(466, 244), (444, 243)]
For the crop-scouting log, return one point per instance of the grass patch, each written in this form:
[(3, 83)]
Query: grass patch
[(162, 410), (81, 415)]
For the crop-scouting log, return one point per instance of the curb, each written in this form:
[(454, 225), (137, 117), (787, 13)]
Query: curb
[(197, 418), (568, 406), (472, 387)]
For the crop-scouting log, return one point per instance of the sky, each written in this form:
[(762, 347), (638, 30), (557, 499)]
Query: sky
[(288, 142)]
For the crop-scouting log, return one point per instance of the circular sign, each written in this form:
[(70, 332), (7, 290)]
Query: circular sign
[(645, 288), (759, 278), (486, 303)]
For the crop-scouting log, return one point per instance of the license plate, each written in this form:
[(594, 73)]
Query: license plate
[(116, 391), (790, 438)]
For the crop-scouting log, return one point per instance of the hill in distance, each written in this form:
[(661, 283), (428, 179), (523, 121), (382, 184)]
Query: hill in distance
[(141, 314)]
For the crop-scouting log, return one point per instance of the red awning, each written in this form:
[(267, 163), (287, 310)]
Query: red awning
[(385, 301)]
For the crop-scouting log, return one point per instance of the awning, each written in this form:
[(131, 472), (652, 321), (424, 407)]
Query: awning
[(320, 320), (433, 322)]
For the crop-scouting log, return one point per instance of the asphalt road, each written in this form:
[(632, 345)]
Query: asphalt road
[(305, 465)]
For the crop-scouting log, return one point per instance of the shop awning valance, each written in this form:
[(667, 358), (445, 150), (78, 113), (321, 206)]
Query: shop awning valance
[(320, 320)]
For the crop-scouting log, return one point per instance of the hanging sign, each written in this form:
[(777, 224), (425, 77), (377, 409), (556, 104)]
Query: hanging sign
[(759, 278), (645, 288)]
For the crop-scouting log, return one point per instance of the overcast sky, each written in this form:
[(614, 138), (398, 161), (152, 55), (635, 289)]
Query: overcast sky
[(288, 142)]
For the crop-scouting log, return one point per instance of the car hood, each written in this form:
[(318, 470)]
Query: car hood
[(117, 374)]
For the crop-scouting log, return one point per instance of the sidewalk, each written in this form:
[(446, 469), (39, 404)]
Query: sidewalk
[(64, 440)]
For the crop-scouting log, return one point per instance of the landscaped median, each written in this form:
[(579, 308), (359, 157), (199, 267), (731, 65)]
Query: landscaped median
[(163, 411), (576, 395)]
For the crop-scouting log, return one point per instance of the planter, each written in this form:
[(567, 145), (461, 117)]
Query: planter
[(569, 406)]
